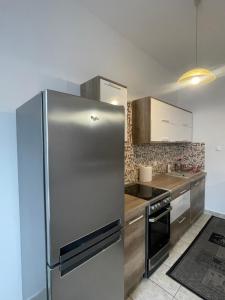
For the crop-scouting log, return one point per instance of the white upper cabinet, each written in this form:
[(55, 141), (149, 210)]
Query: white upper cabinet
[(114, 94), (170, 123), (105, 90), (186, 126), (157, 121), (161, 125)]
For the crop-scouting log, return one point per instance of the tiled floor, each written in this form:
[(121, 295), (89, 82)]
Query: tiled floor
[(160, 286)]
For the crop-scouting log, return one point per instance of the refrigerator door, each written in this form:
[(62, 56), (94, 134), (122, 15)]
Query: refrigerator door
[(84, 168), (99, 278)]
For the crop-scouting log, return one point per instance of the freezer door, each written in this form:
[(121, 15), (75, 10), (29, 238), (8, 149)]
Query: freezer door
[(84, 167), (99, 278)]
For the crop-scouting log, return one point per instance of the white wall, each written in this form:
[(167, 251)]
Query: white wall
[(208, 105), (10, 285), (54, 44), (48, 42)]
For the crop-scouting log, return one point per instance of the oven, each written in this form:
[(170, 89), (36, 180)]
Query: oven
[(157, 223), (158, 234)]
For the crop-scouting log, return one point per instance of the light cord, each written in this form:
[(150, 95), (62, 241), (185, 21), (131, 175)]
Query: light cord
[(197, 3)]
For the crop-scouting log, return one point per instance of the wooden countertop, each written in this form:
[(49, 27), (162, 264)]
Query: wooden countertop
[(133, 204), (166, 182), (171, 183)]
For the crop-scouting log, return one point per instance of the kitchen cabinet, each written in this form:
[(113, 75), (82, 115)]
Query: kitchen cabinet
[(157, 121), (179, 226), (197, 199), (102, 89), (180, 214), (134, 249), (180, 202), (187, 205)]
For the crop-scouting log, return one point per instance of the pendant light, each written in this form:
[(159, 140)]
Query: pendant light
[(197, 75)]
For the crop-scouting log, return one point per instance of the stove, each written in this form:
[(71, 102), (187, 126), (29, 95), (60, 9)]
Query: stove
[(145, 192), (157, 223)]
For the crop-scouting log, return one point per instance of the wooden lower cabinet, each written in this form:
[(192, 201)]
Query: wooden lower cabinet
[(134, 248), (197, 199), (179, 226)]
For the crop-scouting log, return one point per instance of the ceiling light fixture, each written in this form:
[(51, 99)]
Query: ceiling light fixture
[(196, 75)]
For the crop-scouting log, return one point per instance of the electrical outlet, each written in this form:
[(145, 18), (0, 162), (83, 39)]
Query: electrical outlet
[(219, 148)]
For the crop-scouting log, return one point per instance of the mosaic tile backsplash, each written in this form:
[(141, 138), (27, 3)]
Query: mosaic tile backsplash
[(158, 155)]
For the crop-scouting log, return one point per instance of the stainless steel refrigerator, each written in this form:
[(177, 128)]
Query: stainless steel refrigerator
[(71, 187)]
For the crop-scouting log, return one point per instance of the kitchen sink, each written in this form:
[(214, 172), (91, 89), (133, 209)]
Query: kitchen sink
[(182, 174)]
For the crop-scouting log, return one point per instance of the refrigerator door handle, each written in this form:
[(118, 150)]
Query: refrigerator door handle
[(82, 257)]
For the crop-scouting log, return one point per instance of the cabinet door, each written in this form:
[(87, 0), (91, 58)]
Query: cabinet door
[(182, 121), (114, 94), (134, 248), (176, 133), (161, 121), (185, 125), (179, 226), (197, 199)]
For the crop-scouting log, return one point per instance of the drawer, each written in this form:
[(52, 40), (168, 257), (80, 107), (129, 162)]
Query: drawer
[(179, 192), (179, 226), (132, 216), (180, 205)]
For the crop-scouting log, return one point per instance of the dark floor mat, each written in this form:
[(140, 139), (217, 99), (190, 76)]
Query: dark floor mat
[(201, 269)]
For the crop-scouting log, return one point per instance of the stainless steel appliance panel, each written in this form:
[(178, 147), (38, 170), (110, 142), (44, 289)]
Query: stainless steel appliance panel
[(31, 199), (99, 278), (159, 230), (84, 166)]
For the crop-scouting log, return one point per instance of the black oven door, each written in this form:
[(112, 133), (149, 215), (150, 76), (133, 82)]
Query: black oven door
[(159, 230)]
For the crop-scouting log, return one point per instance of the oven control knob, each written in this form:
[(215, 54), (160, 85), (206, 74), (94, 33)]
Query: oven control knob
[(153, 207), (158, 205)]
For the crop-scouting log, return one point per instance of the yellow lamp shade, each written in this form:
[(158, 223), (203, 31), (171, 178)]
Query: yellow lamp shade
[(197, 76)]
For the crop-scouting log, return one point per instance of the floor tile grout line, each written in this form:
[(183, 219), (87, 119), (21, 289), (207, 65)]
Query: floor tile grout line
[(162, 287), (177, 291)]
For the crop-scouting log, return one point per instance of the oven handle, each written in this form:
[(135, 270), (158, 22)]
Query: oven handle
[(153, 220)]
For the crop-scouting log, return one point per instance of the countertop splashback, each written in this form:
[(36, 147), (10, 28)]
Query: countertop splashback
[(158, 155)]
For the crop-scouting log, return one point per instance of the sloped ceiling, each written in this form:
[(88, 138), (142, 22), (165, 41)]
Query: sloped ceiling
[(165, 29)]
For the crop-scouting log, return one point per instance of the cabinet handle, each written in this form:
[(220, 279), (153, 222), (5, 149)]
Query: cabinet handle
[(135, 220), (183, 192), (113, 86), (165, 121), (153, 220), (182, 220)]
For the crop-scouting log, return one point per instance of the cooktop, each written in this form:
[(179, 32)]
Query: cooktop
[(143, 191)]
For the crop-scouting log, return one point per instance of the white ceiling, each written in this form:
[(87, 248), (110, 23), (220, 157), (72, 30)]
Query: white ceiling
[(165, 29)]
